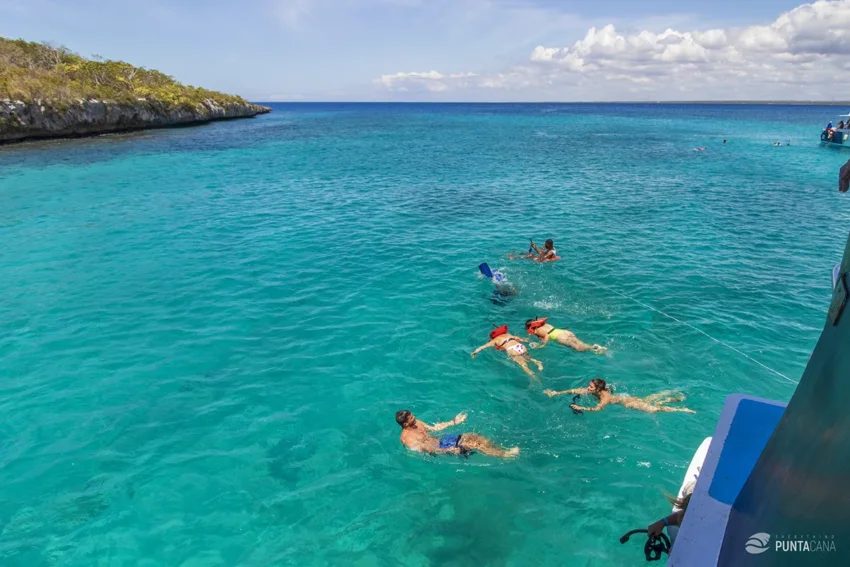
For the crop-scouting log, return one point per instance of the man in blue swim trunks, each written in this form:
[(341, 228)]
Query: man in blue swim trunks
[(415, 436)]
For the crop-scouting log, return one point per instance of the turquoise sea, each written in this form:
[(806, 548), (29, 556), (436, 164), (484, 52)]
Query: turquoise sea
[(205, 332)]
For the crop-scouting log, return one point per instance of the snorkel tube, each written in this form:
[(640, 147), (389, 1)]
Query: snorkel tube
[(654, 546), (576, 398)]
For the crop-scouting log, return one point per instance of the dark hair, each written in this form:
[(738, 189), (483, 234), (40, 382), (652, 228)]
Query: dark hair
[(600, 384), (529, 322), (549, 243), (402, 416)]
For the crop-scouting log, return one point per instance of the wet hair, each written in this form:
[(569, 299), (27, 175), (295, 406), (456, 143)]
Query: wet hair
[(600, 384), (549, 243), (682, 502), (529, 322), (402, 416)]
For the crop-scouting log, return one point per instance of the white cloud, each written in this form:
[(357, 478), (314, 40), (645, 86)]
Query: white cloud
[(292, 12), (792, 57), (431, 81)]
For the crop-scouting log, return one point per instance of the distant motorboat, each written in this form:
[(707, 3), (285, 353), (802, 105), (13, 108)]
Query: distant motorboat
[(837, 137)]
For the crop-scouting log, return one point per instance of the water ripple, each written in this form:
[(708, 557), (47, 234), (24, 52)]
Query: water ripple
[(206, 332)]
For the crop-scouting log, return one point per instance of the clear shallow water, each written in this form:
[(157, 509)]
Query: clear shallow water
[(205, 333)]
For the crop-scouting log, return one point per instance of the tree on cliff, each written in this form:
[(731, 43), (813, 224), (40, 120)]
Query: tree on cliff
[(53, 73)]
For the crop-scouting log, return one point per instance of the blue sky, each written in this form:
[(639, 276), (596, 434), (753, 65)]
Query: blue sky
[(458, 49)]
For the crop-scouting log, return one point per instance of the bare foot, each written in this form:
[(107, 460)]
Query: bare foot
[(599, 349), (512, 452)]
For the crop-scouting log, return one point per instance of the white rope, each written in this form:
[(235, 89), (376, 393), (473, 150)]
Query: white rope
[(700, 331)]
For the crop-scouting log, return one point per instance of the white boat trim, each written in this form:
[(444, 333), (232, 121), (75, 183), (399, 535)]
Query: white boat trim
[(700, 537)]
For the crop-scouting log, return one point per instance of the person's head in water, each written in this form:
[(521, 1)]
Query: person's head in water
[(405, 418), (597, 385), (528, 324), (549, 244)]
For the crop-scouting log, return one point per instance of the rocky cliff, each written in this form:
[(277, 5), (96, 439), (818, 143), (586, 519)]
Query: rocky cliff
[(42, 119)]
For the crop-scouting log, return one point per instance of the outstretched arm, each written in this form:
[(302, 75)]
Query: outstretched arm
[(459, 418), (553, 393), (482, 347), (674, 519)]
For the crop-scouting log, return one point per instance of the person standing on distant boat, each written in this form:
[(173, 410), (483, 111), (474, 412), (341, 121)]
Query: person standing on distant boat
[(500, 339), (543, 330), (599, 389), (415, 435)]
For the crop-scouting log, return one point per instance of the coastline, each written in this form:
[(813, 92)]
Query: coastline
[(42, 120), (576, 103)]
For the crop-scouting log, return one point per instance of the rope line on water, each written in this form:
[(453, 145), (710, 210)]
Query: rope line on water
[(698, 330)]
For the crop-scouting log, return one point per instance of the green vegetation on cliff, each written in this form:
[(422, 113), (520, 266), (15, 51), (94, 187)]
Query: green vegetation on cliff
[(42, 71)]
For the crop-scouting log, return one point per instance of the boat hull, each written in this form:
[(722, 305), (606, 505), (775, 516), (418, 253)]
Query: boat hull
[(835, 145)]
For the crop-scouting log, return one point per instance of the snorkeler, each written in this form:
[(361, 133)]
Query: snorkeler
[(548, 254), (500, 339), (598, 388), (414, 436), (541, 329)]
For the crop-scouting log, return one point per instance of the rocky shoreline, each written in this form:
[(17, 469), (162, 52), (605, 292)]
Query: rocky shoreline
[(20, 121)]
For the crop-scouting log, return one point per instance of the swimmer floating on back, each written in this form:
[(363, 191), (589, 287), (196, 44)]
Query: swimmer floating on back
[(540, 328), (500, 339), (548, 254), (415, 436), (598, 388)]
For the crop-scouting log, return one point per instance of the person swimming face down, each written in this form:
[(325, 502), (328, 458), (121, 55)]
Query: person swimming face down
[(541, 329), (599, 388)]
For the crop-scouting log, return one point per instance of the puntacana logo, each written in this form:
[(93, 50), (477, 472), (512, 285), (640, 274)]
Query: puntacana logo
[(758, 543)]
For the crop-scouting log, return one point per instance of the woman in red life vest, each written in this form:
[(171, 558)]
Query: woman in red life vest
[(543, 330), (500, 339)]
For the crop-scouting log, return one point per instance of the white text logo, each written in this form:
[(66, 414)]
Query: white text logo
[(760, 542)]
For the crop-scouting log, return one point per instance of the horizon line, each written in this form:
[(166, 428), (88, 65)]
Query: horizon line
[(705, 102)]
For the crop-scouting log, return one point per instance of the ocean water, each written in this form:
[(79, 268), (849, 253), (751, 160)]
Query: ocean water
[(205, 332)]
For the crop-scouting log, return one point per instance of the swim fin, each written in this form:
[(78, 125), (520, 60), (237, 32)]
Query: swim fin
[(485, 269)]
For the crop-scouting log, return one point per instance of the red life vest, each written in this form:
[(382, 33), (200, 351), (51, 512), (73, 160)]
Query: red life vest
[(534, 325), (503, 330)]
